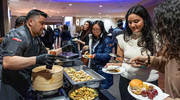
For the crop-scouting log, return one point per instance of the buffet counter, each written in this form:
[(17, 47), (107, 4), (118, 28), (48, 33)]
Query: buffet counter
[(88, 78)]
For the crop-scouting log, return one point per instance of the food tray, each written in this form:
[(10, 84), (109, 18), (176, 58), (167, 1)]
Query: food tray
[(96, 76), (68, 55), (72, 90)]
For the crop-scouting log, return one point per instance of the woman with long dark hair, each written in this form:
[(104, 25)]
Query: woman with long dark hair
[(167, 19), (138, 39), (101, 47), (84, 38)]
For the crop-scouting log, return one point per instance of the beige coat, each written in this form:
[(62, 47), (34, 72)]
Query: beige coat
[(172, 75)]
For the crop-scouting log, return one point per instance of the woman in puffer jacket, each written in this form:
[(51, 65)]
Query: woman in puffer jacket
[(101, 47)]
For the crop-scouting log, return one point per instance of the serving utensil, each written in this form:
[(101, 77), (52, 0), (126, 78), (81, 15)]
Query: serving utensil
[(128, 62), (115, 55), (116, 61)]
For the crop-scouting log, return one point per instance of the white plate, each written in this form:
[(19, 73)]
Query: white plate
[(140, 97), (111, 72), (87, 57)]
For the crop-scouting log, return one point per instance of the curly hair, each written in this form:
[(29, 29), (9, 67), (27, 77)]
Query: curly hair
[(147, 40), (167, 22)]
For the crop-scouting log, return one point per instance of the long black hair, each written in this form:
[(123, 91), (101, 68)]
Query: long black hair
[(86, 32), (167, 22), (147, 40), (103, 31)]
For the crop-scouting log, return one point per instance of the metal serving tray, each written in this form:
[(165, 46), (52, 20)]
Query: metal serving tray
[(68, 55), (96, 77)]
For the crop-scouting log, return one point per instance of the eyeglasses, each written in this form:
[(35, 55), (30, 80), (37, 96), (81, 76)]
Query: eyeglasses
[(96, 30)]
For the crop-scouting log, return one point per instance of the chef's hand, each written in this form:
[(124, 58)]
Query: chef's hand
[(45, 59)]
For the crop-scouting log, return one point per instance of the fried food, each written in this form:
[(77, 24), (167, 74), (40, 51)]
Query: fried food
[(77, 76)]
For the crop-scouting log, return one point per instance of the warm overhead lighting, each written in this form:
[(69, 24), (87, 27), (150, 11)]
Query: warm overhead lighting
[(62, 16), (89, 16), (70, 4), (99, 13), (122, 16), (49, 16), (99, 17), (58, 12), (34, 7), (109, 17), (100, 6)]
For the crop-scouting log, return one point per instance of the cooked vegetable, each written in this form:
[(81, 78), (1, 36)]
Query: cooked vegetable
[(84, 93)]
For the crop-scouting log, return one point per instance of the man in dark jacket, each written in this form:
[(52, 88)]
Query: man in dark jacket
[(21, 51), (117, 31)]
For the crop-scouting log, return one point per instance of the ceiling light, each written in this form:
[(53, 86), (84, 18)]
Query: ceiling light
[(89, 16), (99, 13), (49, 16), (70, 4), (99, 17), (34, 7), (109, 17), (62, 16), (58, 12), (100, 6)]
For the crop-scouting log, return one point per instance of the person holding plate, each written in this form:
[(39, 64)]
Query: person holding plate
[(167, 19), (101, 47), (137, 40)]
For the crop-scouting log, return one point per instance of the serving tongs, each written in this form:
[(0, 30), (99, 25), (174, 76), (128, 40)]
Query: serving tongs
[(125, 60)]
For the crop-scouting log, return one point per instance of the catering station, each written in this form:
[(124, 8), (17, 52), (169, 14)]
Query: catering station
[(68, 81)]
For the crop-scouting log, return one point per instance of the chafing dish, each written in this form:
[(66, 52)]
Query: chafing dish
[(96, 76), (66, 59)]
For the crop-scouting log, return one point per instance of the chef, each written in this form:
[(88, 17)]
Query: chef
[(21, 51)]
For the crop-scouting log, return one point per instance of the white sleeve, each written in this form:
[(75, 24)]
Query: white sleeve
[(120, 39)]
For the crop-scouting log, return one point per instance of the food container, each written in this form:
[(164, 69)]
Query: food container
[(96, 77), (76, 89), (44, 79), (66, 59)]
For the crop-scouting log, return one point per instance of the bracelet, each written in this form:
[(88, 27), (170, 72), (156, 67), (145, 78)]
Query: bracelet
[(149, 60)]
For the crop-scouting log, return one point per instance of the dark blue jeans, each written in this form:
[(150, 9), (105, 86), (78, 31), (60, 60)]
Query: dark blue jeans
[(123, 84)]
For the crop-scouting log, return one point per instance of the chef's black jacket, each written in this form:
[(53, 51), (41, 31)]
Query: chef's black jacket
[(18, 42)]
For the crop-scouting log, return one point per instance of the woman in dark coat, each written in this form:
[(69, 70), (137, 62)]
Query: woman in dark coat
[(65, 36), (101, 47)]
